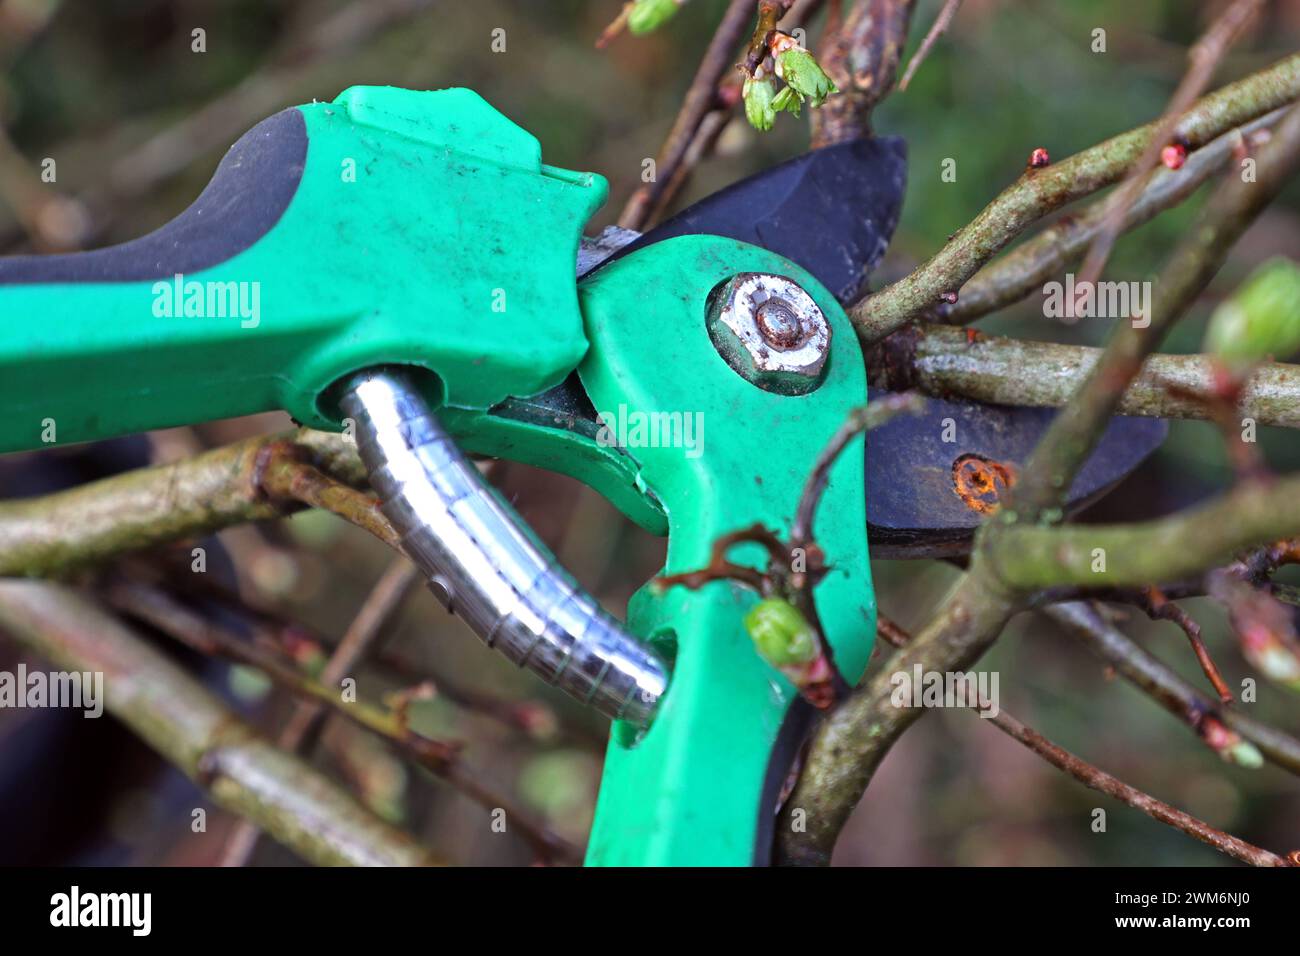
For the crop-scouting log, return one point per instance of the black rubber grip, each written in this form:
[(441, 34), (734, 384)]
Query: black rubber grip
[(246, 197)]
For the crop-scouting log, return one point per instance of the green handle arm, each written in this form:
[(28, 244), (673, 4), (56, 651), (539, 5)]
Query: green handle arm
[(387, 226), (422, 230), (699, 788)]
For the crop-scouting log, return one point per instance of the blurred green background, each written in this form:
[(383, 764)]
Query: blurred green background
[(137, 121)]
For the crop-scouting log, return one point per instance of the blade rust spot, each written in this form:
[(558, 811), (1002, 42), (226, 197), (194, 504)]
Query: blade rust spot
[(981, 482)]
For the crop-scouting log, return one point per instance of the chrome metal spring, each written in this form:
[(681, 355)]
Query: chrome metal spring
[(484, 564)]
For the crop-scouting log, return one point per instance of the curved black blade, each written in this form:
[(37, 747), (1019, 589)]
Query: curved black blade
[(926, 496), (831, 211)]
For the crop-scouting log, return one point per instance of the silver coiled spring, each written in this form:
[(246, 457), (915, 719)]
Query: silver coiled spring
[(483, 563)]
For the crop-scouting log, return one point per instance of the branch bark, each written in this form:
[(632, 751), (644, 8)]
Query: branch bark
[(1081, 620), (1025, 269), (862, 57), (853, 740), (1046, 477), (1028, 557), (1098, 779), (193, 729), (1040, 191), (945, 362), (700, 100), (58, 533), (1202, 58)]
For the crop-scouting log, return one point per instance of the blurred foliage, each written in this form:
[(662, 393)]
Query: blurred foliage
[(1008, 77)]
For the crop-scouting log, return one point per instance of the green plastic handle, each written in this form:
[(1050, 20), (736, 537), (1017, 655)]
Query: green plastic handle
[(691, 790), (424, 230)]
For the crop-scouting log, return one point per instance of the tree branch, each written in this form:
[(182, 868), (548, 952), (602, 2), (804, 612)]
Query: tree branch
[(940, 26), (160, 609), (251, 480), (1028, 557), (859, 420), (945, 362), (1203, 57), (439, 758), (853, 740), (194, 730), (862, 57), (1046, 477), (700, 99), (1097, 779), (1040, 191), (1082, 621), (300, 734), (1160, 608), (716, 120), (1024, 270)]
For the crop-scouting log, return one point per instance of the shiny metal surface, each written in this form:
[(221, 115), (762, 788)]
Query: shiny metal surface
[(770, 331), (484, 564)]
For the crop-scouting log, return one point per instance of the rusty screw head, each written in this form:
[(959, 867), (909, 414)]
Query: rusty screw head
[(770, 331)]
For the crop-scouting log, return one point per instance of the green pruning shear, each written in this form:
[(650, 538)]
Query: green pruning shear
[(401, 265)]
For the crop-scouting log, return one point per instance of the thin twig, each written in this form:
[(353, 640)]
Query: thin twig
[(616, 26), (1025, 269), (440, 758), (1046, 478), (851, 742), (534, 718), (821, 683), (722, 568), (798, 587), (1098, 779), (891, 632), (1083, 621), (940, 26), (1221, 404), (1158, 607), (859, 420), (700, 98), (363, 635), (155, 606), (1204, 56), (282, 473), (1040, 191), (193, 729), (717, 120)]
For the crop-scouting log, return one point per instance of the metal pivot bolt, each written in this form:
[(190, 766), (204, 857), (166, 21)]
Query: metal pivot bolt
[(770, 331)]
